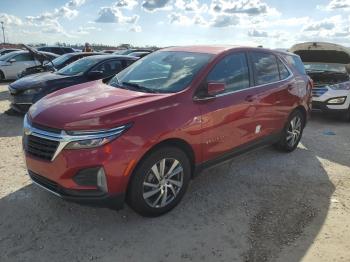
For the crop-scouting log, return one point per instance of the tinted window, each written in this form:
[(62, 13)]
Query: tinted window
[(284, 73), (265, 68), (78, 67), (110, 67), (296, 62), (231, 70), (23, 57)]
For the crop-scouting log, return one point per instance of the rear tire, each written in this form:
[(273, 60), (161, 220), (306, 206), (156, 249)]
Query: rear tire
[(2, 77), (159, 182), (346, 115), (292, 132)]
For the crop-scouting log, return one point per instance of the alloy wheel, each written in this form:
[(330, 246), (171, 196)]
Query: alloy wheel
[(294, 131), (163, 182)]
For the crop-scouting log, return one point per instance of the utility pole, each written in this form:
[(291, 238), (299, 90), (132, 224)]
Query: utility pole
[(3, 30)]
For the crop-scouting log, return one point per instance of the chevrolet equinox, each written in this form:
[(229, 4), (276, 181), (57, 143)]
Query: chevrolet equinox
[(142, 136)]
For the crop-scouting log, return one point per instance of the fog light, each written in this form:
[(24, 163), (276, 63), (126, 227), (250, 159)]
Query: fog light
[(101, 180), (337, 100)]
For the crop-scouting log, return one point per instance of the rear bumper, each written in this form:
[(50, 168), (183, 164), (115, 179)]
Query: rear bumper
[(86, 197)]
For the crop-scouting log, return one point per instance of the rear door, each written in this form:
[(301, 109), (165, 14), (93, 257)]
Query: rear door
[(227, 119), (269, 95)]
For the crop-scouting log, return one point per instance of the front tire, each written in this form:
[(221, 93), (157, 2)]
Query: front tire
[(292, 132), (159, 182)]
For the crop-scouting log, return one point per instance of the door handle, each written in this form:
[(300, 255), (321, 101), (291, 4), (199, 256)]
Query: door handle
[(250, 98)]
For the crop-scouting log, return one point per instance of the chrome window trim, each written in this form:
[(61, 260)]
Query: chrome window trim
[(291, 75), (64, 138)]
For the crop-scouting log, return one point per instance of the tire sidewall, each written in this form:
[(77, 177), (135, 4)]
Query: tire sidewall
[(284, 144), (135, 192)]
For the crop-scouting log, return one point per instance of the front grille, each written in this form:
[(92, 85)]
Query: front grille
[(43, 181), (319, 91), (40, 147)]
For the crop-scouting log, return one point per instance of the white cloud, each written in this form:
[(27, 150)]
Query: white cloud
[(256, 33), (10, 19), (153, 5), (136, 29), (128, 4), (325, 24), (335, 5), (114, 15), (225, 21), (248, 7), (191, 6)]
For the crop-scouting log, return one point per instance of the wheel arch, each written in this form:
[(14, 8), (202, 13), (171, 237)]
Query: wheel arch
[(2, 75)]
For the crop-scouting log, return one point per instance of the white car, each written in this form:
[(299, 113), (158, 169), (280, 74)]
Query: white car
[(329, 66), (13, 63)]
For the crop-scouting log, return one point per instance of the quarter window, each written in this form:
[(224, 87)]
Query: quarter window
[(265, 68), (284, 73), (231, 70)]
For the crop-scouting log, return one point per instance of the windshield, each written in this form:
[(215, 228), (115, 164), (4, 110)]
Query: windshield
[(60, 60), (338, 68), (161, 72), (78, 67)]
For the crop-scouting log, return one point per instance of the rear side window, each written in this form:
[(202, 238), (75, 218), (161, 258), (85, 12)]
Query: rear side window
[(265, 68), (284, 73), (295, 62), (110, 67), (231, 70)]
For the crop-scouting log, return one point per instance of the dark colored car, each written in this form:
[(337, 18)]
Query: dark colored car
[(139, 54), (128, 51), (57, 63), (145, 133), (8, 50), (59, 50), (27, 90)]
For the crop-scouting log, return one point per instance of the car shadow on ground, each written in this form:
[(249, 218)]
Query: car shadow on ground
[(11, 124), (247, 209)]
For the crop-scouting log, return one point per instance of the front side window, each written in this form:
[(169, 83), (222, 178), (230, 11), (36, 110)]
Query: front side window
[(162, 72), (265, 68), (78, 67), (110, 67), (23, 57), (231, 70)]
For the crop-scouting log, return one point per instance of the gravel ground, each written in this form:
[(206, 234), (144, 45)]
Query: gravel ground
[(262, 206)]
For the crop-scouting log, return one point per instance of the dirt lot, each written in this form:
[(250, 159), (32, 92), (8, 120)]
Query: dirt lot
[(262, 206)]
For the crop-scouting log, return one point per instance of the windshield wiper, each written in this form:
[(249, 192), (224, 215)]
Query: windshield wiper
[(138, 87)]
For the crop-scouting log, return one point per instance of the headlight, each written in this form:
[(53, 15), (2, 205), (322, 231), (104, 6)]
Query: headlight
[(337, 100), (32, 91), (341, 86), (91, 139)]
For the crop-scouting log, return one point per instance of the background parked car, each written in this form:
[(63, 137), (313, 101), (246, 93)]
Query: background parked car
[(14, 63), (108, 51), (128, 51), (139, 54), (59, 50), (329, 67), (56, 64), (27, 90), (8, 50)]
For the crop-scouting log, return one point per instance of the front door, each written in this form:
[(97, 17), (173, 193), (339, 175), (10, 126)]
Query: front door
[(227, 118)]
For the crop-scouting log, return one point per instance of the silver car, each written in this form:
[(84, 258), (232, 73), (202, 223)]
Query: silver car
[(14, 63)]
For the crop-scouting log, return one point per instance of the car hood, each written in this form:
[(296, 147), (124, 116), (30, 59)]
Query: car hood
[(91, 106), (37, 80)]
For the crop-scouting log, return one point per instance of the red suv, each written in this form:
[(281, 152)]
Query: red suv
[(142, 136)]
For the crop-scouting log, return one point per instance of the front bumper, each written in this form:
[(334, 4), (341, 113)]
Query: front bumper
[(88, 197), (19, 102), (320, 102)]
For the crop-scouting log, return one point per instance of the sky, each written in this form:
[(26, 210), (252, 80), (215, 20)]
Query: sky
[(270, 23)]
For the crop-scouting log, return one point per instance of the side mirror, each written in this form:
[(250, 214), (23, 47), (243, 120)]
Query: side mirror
[(347, 67), (95, 75), (215, 88), (12, 60)]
